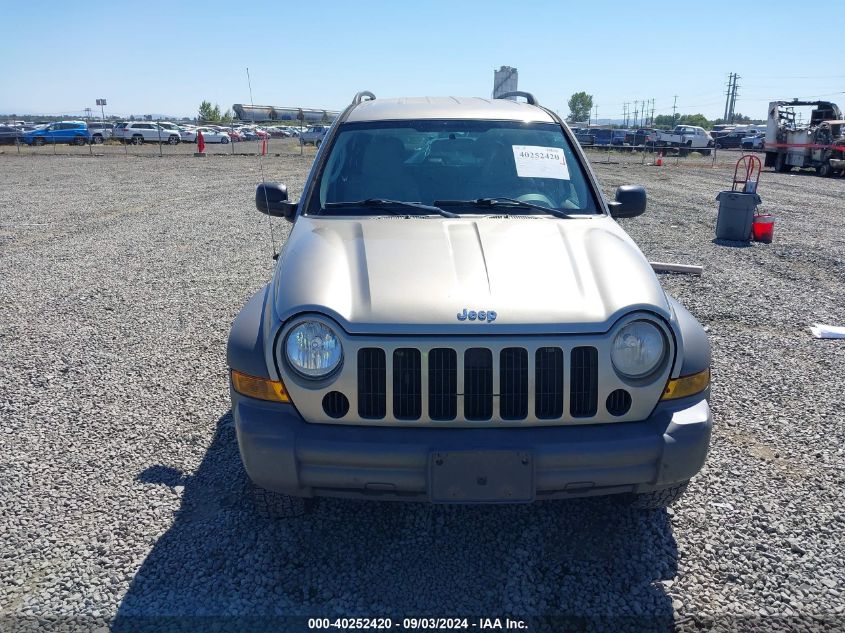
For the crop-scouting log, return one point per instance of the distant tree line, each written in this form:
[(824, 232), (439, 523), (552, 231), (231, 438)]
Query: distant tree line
[(580, 104)]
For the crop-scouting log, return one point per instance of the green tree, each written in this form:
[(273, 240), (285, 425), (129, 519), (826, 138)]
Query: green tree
[(204, 112), (207, 112), (227, 117), (580, 105), (695, 119), (665, 120)]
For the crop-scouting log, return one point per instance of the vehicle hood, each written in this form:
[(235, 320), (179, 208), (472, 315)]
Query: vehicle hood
[(416, 275)]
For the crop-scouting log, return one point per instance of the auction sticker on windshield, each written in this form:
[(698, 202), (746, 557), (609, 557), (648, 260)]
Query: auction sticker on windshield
[(533, 161)]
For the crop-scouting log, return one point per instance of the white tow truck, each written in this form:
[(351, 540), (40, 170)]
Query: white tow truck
[(686, 138)]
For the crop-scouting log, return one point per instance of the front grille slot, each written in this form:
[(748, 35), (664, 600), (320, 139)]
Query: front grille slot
[(442, 384), (478, 384), (513, 383), (583, 385), (548, 380), (372, 369), (407, 378)]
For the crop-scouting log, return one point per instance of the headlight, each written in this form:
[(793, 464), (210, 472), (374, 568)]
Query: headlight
[(313, 350), (638, 349)]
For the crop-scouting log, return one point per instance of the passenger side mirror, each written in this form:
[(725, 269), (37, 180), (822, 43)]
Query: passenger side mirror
[(630, 202), (272, 198)]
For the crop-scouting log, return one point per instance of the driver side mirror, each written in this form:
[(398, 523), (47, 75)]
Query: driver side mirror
[(272, 198), (630, 202)]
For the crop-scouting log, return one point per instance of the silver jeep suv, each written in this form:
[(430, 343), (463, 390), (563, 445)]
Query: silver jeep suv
[(457, 317)]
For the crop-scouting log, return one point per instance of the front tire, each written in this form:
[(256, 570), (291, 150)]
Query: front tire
[(276, 505), (173, 140), (38, 141), (825, 170), (224, 140), (137, 140), (659, 498), (98, 140)]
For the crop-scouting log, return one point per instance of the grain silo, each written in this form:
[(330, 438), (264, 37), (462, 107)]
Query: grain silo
[(504, 80)]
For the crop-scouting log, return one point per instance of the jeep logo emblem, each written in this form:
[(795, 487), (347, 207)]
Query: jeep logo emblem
[(481, 315)]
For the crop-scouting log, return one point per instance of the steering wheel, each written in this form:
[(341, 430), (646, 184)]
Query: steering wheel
[(537, 198)]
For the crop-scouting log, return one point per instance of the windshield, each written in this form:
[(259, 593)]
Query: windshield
[(450, 161)]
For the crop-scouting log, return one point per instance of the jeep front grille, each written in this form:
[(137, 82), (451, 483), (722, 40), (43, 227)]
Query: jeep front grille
[(407, 395), (372, 394), (548, 383), (442, 384), (480, 366), (583, 390)]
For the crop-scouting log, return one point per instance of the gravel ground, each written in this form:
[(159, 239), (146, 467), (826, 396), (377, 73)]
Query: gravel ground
[(122, 493)]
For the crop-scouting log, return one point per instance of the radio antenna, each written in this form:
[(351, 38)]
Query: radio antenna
[(261, 169)]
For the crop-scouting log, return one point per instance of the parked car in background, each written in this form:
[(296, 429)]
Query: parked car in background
[(618, 137), (583, 136), (754, 141), (212, 135), (730, 140), (279, 132), (71, 132), (690, 137), (601, 136), (10, 135), (235, 136), (641, 137), (138, 132), (314, 135), (170, 127), (188, 134), (100, 131)]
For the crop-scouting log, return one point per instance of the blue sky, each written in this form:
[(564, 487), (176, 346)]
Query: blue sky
[(165, 57)]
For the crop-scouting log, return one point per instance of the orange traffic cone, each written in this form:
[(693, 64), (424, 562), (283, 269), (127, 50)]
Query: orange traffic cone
[(264, 147), (659, 160)]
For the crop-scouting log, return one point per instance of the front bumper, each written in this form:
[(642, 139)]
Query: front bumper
[(282, 452)]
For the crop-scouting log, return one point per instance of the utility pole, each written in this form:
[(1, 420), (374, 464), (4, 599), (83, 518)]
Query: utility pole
[(87, 114), (728, 94), (651, 119), (625, 114), (597, 114), (733, 99), (674, 107), (636, 114)]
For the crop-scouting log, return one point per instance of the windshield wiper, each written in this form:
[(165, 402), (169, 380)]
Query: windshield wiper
[(382, 202), (505, 202)]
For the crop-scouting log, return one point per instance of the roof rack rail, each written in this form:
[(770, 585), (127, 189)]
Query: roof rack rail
[(519, 93), (364, 95)]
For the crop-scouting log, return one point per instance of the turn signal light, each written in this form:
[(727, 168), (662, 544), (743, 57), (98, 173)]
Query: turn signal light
[(686, 385), (260, 388)]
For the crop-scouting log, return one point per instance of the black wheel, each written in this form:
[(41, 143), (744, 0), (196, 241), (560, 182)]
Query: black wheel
[(224, 140), (317, 143), (276, 505), (137, 140), (39, 141), (781, 165), (825, 170), (718, 146), (79, 140), (173, 140), (657, 499), (97, 140)]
